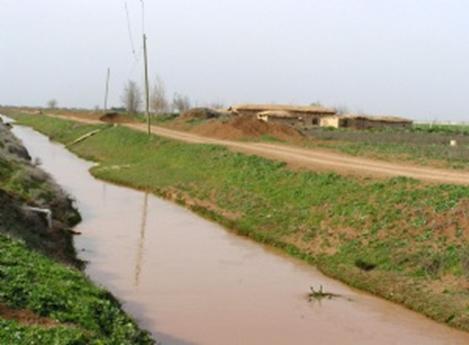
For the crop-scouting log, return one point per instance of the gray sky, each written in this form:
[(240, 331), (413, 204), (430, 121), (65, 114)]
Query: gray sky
[(399, 57)]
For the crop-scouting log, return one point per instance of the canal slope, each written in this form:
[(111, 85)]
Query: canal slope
[(44, 298), (366, 259)]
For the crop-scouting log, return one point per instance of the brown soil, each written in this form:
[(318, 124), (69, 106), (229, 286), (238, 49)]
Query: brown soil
[(202, 114), (242, 127), (190, 202), (454, 225), (116, 118), (314, 159), (26, 317), (87, 115)]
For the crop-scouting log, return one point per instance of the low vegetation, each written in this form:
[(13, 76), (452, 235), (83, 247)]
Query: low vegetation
[(44, 298), (443, 129), (78, 313), (320, 294), (423, 145), (24, 184), (398, 238)]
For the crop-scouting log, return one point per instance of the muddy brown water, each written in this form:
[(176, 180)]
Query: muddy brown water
[(189, 281)]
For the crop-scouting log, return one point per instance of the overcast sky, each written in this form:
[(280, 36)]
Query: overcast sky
[(397, 57)]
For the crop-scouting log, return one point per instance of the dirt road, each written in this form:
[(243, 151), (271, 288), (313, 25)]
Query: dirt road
[(313, 159)]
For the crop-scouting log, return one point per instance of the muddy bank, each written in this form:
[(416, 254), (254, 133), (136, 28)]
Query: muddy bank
[(25, 189), (189, 281), (44, 298)]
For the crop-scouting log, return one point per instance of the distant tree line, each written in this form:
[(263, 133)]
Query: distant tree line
[(132, 99), (160, 104)]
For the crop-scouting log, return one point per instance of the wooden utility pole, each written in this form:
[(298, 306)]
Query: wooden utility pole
[(106, 93), (147, 87)]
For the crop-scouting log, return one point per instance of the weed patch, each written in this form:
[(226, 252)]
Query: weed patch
[(421, 144), (86, 314), (382, 236)]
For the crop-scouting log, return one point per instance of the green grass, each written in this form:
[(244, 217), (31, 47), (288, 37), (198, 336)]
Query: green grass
[(426, 145), (445, 129), (21, 184), (84, 313), (413, 235), (13, 333), (78, 312), (420, 144), (66, 133)]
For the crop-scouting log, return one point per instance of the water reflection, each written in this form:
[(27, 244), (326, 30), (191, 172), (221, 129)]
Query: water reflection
[(141, 243), (198, 283)]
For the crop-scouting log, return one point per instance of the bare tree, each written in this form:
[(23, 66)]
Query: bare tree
[(217, 105), (52, 104), (181, 103), (132, 97), (159, 103)]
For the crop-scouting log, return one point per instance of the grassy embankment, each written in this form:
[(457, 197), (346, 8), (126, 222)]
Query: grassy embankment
[(426, 145), (43, 298), (58, 305), (421, 144), (398, 238)]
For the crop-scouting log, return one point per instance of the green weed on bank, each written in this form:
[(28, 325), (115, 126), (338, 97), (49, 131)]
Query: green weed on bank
[(84, 313), (420, 144), (398, 238)]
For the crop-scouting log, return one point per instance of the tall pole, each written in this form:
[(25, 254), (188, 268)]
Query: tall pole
[(106, 93), (145, 59), (147, 87)]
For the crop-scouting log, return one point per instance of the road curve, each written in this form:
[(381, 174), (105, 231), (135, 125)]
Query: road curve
[(311, 158)]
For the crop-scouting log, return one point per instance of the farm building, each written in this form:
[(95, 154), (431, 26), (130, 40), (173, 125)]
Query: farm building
[(297, 116), (332, 121), (365, 122), (283, 117)]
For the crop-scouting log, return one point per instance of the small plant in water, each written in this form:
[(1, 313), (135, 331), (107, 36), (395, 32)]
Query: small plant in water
[(321, 294)]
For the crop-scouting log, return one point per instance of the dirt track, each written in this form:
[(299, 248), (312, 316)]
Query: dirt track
[(314, 159)]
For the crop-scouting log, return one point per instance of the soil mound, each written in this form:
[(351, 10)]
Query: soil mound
[(201, 114), (116, 118), (246, 126)]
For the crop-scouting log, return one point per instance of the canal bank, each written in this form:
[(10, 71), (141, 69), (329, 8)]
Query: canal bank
[(191, 282), (44, 298)]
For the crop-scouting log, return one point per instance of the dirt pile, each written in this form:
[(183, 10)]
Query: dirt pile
[(116, 118), (240, 127), (201, 114)]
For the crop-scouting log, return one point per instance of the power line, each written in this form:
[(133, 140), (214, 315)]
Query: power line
[(136, 62), (143, 16), (129, 29)]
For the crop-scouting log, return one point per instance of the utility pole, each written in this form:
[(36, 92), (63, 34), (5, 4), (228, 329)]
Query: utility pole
[(106, 94), (145, 58), (147, 87)]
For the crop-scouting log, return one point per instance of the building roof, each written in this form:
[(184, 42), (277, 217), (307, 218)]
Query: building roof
[(279, 114), (313, 109)]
